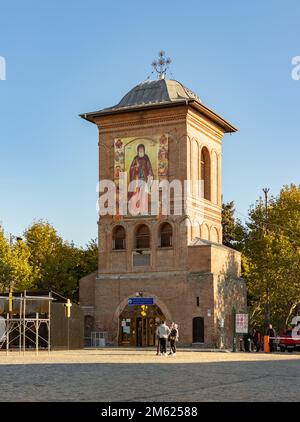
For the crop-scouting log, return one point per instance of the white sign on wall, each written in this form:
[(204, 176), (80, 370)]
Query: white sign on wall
[(241, 323)]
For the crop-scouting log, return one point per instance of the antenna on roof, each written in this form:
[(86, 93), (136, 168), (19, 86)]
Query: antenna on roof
[(161, 65)]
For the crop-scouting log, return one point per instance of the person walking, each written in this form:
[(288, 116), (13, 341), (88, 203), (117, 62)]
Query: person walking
[(163, 332), (256, 340), (157, 347), (169, 340), (158, 343), (173, 339), (247, 342), (271, 333)]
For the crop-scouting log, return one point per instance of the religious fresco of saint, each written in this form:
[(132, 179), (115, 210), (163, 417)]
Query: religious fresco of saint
[(141, 158)]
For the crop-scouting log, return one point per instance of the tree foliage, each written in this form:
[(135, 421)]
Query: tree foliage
[(15, 268), (233, 230), (43, 260), (271, 247)]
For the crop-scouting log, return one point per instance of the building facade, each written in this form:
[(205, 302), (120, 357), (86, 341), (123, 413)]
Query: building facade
[(162, 131)]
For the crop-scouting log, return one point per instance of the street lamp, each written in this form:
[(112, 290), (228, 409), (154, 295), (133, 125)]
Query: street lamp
[(11, 283), (267, 316)]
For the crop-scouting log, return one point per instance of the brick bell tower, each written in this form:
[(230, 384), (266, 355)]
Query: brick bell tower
[(161, 130)]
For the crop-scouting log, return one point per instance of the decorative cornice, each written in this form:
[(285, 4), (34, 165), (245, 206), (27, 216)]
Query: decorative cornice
[(124, 124), (138, 276), (209, 130)]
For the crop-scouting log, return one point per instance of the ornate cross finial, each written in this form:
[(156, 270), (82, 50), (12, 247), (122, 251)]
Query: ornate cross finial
[(161, 65)]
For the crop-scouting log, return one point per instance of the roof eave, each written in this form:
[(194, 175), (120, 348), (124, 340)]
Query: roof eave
[(107, 112), (216, 118), (226, 126)]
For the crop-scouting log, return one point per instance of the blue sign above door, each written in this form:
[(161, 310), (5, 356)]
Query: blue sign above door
[(138, 301)]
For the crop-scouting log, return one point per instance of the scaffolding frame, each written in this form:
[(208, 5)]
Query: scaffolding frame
[(18, 329)]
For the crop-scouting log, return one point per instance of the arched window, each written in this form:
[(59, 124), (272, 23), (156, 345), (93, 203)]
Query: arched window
[(119, 236), (166, 234), (205, 172), (142, 237)]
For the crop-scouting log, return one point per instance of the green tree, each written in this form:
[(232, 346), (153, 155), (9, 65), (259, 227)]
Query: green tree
[(90, 257), (43, 242), (43, 260), (5, 261), (233, 230), (271, 248), (58, 265), (22, 272), (15, 268)]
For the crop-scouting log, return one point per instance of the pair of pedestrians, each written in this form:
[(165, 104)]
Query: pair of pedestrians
[(165, 333)]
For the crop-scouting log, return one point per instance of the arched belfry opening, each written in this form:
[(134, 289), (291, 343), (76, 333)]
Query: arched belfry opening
[(205, 173), (166, 235), (119, 238), (142, 237)]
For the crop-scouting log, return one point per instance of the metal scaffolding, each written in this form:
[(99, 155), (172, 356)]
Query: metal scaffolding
[(27, 324)]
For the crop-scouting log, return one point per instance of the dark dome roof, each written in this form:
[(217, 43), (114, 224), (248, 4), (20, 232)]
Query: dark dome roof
[(155, 92)]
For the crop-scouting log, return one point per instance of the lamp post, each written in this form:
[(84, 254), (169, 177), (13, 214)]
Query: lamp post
[(68, 306), (267, 315), (11, 283), (234, 329)]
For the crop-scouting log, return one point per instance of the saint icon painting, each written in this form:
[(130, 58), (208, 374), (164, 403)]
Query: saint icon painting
[(140, 168), (142, 159)]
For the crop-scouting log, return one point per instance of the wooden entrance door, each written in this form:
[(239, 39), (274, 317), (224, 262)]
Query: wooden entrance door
[(139, 331), (198, 330)]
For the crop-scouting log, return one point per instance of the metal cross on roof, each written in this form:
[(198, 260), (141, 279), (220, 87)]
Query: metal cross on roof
[(161, 65)]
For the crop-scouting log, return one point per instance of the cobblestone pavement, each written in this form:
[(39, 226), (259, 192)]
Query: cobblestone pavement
[(138, 375)]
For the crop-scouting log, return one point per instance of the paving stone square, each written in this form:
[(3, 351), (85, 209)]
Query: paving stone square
[(110, 375)]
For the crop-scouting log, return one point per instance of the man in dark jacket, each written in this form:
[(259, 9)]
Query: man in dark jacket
[(173, 339), (247, 342), (256, 339)]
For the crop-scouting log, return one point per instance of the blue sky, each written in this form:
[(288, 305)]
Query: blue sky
[(68, 57)]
